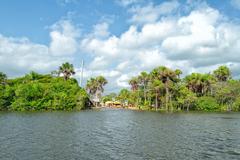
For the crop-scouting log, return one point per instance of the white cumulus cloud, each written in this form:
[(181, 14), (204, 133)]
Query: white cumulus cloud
[(64, 38)]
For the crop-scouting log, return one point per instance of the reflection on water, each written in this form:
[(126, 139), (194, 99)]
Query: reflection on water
[(119, 134)]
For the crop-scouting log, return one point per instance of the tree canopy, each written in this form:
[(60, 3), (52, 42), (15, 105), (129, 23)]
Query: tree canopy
[(163, 89), (36, 91)]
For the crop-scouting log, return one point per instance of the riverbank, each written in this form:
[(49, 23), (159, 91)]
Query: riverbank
[(161, 110)]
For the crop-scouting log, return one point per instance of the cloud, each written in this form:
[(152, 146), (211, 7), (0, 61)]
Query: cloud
[(98, 63), (19, 55), (235, 4), (66, 2), (64, 38), (199, 41), (126, 3), (151, 12)]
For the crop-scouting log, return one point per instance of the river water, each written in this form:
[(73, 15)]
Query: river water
[(119, 134)]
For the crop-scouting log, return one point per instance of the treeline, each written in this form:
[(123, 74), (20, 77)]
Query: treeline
[(163, 89), (56, 91)]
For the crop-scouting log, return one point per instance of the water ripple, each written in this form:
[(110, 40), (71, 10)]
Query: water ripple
[(119, 134)]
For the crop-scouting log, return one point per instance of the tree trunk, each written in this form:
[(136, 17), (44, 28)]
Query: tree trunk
[(138, 100), (145, 96), (150, 101), (170, 101), (187, 107), (156, 100), (167, 92)]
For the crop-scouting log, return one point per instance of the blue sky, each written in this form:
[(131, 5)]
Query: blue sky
[(119, 38), (27, 18)]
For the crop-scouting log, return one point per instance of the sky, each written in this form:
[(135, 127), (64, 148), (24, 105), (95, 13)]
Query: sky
[(119, 38)]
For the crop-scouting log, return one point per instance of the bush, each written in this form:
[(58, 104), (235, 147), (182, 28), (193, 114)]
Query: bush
[(42, 92), (236, 105), (207, 104)]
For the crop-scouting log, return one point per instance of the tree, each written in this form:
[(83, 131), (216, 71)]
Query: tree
[(124, 96), (156, 86), (178, 72), (91, 86), (227, 93), (199, 83), (42, 92), (144, 79), (167, 76), (67, 70), (95, 86), (134, 83), (135, 89), (186, 97), (223, 73), (101, 81)]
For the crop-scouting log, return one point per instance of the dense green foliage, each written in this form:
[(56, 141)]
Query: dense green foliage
[(163, 89), (207, 104), (41, 92), (160, 89)]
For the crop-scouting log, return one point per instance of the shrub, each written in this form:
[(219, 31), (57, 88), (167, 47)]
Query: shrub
[(207, 104), (236, 105)]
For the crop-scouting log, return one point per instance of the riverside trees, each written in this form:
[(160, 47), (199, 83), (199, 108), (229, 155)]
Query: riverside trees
[(43, 92), (163, 87)]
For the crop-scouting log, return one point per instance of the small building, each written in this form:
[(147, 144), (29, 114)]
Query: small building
[(116, 104)]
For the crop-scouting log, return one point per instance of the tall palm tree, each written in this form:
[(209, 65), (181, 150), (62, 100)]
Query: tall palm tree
[(91, 86), (101, 81), (199, 83), (167, 76), (223, 73), (67, 70), (134, 83), (178, 72), (95, 86), (144, 79), (156, 85), (207, 80)]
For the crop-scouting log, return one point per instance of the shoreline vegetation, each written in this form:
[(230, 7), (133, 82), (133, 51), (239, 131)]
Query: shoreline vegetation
[(37, 92), (162, 89)]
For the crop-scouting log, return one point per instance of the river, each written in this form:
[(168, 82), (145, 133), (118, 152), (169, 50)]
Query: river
[(118, 134)]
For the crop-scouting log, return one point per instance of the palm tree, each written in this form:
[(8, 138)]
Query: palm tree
[(91, 86), (95, 86), (199, 83), (194, 82), (156, 85), (208, 80), (223, 73), (67, 70), (178, 72), (101, 81), (167, 76), (134, 83), (144, 79)]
